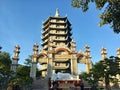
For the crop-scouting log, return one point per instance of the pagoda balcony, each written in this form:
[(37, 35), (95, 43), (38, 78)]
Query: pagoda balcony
[(45, 31), (46, 21), (45, 37), (42, 61), (63, 21), (58, 27), (45, 42), (45, 26), (61, 39), (58, 22), (61, 66), (52, 33)]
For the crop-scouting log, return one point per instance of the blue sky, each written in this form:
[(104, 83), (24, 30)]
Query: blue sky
[(21, 24)]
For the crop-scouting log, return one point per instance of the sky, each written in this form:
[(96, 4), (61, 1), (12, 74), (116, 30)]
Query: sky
[(21, 24)]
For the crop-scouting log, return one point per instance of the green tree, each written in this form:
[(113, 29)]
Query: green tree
[(28, 61), (90, 78), (5, 63), (103, 70), (23, 70), (22, 78), (110, 68), (109, 16)]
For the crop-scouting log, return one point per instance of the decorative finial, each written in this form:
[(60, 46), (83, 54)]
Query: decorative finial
[(16, 52), (35, 48), (87, 50), (57, 13)]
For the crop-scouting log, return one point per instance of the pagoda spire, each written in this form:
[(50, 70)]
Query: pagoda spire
[(57, 13)]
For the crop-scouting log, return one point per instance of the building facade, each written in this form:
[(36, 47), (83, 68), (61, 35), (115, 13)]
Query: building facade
[(59, 50)]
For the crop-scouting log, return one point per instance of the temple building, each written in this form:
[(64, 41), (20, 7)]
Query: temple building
[(59, 50)]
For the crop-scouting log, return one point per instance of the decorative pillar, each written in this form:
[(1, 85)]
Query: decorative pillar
[(103, 53), (34, 61), (88, 59), (50, 59), (74, 67), (15, 59)]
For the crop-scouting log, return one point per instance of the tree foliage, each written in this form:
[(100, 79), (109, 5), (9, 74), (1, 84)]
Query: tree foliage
[(23, 70), (28, 61), (5, 63), (103, 69), (7, 77), (111, 14), (5, 73), (22, 78)]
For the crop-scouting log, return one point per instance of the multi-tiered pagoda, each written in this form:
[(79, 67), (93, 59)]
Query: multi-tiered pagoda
[(59, 50), (57, 29)]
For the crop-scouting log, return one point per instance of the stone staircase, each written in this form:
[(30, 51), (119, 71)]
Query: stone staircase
[(40, 84)]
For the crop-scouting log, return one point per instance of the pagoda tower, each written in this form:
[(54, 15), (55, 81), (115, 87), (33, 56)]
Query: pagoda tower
[(56, 29), (59, 50), (56, 33)]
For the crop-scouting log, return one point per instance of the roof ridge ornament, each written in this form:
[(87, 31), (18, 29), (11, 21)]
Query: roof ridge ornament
[(57, 13)]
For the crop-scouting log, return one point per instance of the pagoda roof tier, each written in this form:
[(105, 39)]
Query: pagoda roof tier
[(49, 18), (58, 18), (61, 67), (58, 22), (55, 22), (45, 37), (45, 42), (59, 34), (45, 31), (61, 60), (60, 40), (45, 26), (70, 34), (58, 28)]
